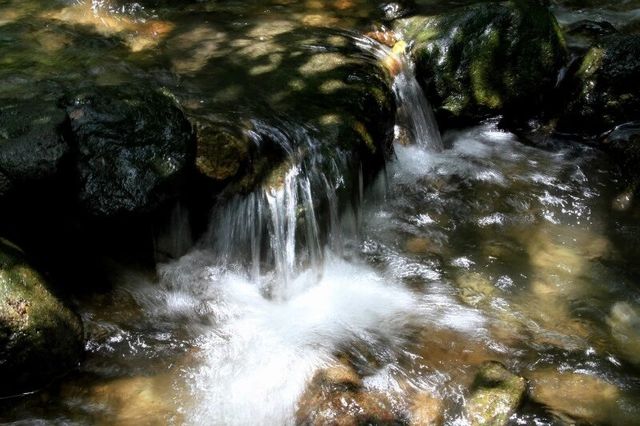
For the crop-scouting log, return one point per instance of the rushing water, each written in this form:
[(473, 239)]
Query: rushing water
[(469, 247)]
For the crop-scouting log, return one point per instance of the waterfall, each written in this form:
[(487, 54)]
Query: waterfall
[(275, 233), (414, 111), (277, 227), (274, 279)]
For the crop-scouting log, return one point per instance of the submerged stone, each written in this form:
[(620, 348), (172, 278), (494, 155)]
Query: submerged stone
[(575, 396), (140, 400), (496, 394), (426, 410), (486, 59), (132, 148), (335, 396), (40, 339), (476, 289), (624, 322)]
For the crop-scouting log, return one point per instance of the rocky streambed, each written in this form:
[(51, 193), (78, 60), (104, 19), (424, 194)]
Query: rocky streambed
[(238, 213)]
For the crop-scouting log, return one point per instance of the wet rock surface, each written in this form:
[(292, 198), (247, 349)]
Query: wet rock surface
[(623, 143), (495, 396), (316, 96), (32, 148), (336, 396), (486, 59), (576, 397), (40, 338), (132, 148), (604, 88)]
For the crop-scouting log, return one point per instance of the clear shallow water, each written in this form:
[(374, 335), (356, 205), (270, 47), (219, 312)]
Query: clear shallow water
[(489, 249)]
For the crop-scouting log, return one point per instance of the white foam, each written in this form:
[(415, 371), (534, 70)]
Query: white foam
[(258, 357)]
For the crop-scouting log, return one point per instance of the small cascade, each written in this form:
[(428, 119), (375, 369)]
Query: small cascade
[(274, 233), (277, 280), (415, 114), (414, 111)]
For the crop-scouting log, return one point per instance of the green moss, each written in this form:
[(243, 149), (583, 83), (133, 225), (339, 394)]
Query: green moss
[(40, 337), (496, 395), (591, 62), (481, 68), (487, 58)]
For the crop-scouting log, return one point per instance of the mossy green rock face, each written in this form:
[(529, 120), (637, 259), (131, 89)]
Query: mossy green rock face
[(486, 59), (132, 147), (496, 395), (605, 87), (40, 338)]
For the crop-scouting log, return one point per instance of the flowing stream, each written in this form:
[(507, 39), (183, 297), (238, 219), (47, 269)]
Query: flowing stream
[(470, 246)]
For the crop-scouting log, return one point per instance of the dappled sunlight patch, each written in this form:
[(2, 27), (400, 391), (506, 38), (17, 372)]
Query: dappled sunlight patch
[(268, 29), (274, 60), (332, 86), (131, 400), (323, 62), (137, 34), (8, 16), (296, 84), (196, 47), (331, 119)]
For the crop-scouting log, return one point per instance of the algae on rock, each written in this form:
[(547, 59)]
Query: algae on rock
[(604, 90), (40, 339), (486, 59), (496, 395)]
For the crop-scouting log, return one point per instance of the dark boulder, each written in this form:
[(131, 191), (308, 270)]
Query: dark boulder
[(486, 59), (623, 143), (603, 90), (132, 146), (31, 146), (40, 339)]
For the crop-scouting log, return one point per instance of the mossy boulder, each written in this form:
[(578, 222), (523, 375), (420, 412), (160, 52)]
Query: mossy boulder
[(133, 147), (604, 88), (40, 339), (496, 394), (486, 59), (31, 146)]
